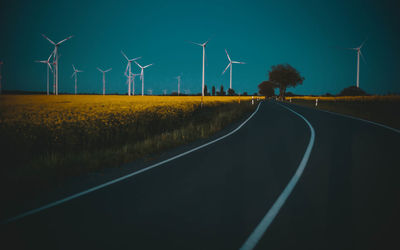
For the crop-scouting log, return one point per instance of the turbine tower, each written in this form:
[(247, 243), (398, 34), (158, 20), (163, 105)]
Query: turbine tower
[(48, 67), (142, 74), (55, 59), (204, 54), (230, 66), (104, 78), (358, 49), (133, 83), (128, 72), (179, 84), (76, 71)]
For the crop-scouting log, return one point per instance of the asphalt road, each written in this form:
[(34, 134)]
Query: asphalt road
[(347, 198)]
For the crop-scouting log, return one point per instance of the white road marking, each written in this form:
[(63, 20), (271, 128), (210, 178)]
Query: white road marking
[(53, 204), (259, 231)]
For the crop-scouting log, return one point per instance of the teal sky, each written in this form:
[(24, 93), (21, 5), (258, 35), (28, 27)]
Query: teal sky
[(306, 34)]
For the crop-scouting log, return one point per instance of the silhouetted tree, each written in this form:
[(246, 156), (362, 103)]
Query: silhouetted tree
[(213, 90), (205, 90), (266, 88), (352, 91), (245, 94), (221, 91), (284, 76), (231, 92)]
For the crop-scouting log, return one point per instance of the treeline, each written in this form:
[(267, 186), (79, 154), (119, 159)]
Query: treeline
[(215, 92)]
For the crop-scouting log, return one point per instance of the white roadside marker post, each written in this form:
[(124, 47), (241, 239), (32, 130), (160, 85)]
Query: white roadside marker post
[(316, 102)]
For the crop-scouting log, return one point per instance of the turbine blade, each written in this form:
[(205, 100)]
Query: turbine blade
[(73, 74), (362, 44), (108, 70), (134, 59), (350, 48), (197, 43), (100, 70), (124, 55), (362, 57), (48, 59), (49, 39), (228, 55), (73, 67), (126, 70), (226, 68), (238, 62), (148, 65), (60, 42), (138, 65), (204, 44), (50, 66)]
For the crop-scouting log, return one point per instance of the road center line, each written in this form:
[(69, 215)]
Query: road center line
[(266, 221), (53, 204)]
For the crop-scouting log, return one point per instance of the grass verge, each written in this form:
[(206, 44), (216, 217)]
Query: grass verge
[(377, 109)]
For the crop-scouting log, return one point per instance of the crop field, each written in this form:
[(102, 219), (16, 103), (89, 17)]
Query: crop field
[(45, 139), (381, 109)]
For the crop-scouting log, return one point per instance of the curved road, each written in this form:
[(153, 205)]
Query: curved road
[(348, 196)]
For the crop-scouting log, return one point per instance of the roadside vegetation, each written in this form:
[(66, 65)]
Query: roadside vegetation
[(351, 101), (381, 109), (46, 139)]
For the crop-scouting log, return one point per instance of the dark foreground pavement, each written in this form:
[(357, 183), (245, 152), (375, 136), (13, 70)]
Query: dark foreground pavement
[(213, 198)]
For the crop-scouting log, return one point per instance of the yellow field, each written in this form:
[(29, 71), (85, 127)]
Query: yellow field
[(48, 138), (348, 98), (92, 120), (51, 111)]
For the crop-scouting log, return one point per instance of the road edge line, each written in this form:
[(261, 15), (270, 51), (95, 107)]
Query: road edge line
[(90, 190), (266, 221)]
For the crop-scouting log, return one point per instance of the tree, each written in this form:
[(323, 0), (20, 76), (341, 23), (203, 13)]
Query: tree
[(213, 90), (231, 92), (352, 91), (266, 88), (205, 90), (245, 94), (284, 76), (221, 91)]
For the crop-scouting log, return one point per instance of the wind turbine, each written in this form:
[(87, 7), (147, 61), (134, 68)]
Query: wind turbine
[(142, 74), (76, 71), (230, 66), (358, 49), (1, 65), (179, 83), (133, 82), (55, 59), (104, 78), (204, 54), (128, 69), (48, 67)]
